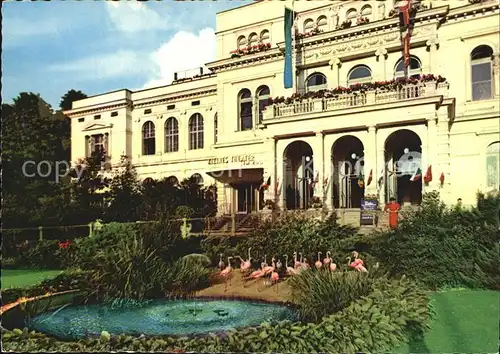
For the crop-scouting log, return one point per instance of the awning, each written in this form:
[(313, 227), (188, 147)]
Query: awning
[(237, 176)]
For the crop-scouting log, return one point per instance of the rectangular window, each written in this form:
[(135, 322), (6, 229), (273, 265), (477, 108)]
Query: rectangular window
[(171, 106), (481, 81), (246, 115), (148, 111), (81, 119), (492, 173), (195, 103), (97, 143), (97, 116), (114, 114)]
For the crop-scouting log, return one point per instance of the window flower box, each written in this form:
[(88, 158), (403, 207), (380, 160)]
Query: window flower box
[(311, 33), (362, 20), (346, 24), (261, 47)]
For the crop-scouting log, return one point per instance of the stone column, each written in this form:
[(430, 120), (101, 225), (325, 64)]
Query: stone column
[(370, 159), (319, 165), (431, 154), (381, 55), (432, 46), (443, 156), (280, 176), (159, 135), (496, 73), (184, 132), (380, 183)]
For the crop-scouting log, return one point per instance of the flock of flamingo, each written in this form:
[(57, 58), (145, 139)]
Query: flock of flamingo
[(272, 272)]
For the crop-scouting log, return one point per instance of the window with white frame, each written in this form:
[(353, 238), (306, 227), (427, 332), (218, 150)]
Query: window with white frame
[(359, 75), (482, 73), (264, 36), (263, 95), (171, 135), (245, 106), (196, 132), (316, 82), (253, 39), (242, 42), (322, 23), (96, 144), (414, 69), (148, 139), (493, 166), (308, 25)]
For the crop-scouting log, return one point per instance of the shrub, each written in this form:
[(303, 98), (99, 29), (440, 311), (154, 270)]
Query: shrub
[(321, 293), (189, 274), (443, 247)]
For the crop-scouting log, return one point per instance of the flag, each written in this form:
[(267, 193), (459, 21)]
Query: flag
[(288, 71), (381, 178), (416, 175), (276, 187), (370, 177), (361, 180), (428, 174), (405, 8), (325, 185), (441, 178), (267, 184)]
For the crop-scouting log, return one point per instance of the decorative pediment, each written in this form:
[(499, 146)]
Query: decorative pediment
[(97, 126)]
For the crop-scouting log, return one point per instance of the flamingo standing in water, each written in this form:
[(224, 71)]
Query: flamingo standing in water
[(289, 270), (226, 273), (221, 264), (318, 263)]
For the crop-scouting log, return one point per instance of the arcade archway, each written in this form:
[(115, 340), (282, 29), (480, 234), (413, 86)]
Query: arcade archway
[(403, 170), (298, 175), (348, 176)]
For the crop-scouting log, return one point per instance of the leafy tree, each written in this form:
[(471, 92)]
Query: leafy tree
[(125, 194), (69, 97)]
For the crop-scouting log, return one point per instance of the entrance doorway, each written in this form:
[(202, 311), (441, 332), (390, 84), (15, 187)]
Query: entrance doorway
[(348, 164), (298, 175), (403, 150), (249, 198)]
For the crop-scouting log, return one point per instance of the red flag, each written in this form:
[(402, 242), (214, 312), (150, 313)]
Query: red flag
[(441, 178), (428, 174), (370, 177)]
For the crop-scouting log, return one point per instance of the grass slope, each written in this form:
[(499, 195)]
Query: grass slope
[(467, 321), (20, 278)]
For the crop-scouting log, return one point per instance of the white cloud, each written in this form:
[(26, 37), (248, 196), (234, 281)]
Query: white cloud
[(132, 17), (183, 51), (15, 29), (120, 64)]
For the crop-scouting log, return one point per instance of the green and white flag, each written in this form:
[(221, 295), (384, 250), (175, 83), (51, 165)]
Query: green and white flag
[(416, 175)]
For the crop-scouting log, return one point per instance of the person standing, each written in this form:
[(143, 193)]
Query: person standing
[(393, 208)]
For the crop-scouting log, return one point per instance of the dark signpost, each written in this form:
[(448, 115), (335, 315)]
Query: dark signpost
[(368, 211)]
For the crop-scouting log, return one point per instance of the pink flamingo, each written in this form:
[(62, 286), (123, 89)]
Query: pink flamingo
[(221, 263), (356, 265), (245, 265), (269, 269), (305, 265), (359, 264), (327, 259), (289, 270), (226, 273), (318, 263), (297, 264), (333, 266), (275, 276)]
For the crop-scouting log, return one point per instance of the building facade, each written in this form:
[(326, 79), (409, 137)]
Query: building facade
[(355, 123)]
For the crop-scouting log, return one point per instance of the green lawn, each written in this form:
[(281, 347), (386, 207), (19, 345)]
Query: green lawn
[(467, 321), (19, 278)]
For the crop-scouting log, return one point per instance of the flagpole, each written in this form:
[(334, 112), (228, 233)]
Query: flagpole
[(294, 64)]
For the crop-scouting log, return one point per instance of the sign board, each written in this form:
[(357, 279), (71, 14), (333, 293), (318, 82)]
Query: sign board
[(368, 211)]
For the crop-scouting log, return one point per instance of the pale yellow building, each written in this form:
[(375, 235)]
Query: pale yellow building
[(221, 125)]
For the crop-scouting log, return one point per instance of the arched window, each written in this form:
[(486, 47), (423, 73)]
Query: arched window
[(493, 166), (308, 25), (359, 75), (197, 177), (245, 105), (171, 135), (242, 42), (253, 39), (148, 138), (414, 69), (196, 132), (147, 181), (216, 128), (351, 14), (322, 23), (264, 36), (316, 82), (481, 73), (173, 180), (366, 10), (263, 95)]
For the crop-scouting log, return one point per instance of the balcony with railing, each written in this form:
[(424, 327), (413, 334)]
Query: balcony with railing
[(357, 96)]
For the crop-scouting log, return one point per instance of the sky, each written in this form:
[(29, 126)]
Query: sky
[(101, 46)]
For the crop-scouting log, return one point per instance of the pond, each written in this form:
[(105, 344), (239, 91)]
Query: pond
[(158, 317)]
